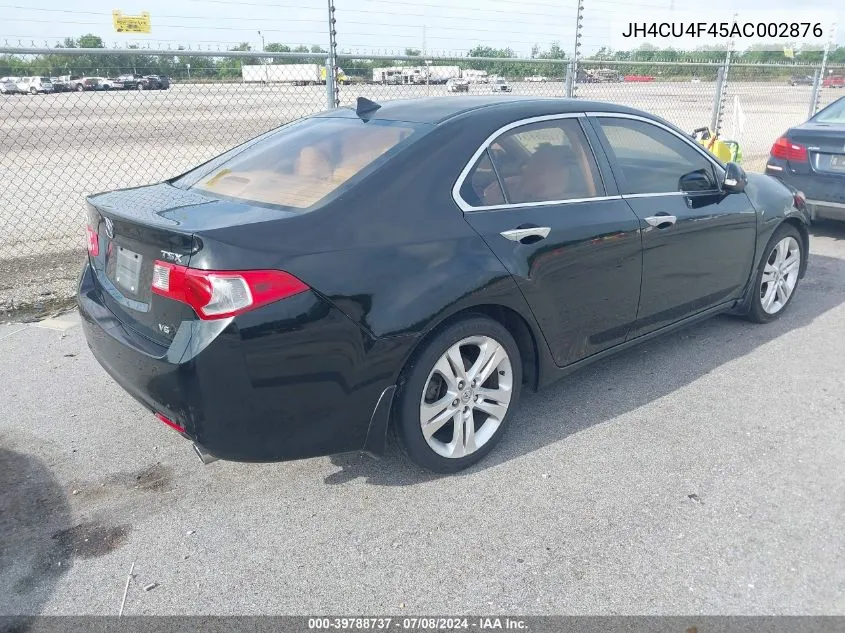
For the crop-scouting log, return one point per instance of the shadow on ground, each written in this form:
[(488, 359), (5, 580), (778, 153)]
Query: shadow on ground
[(34, 516), (597, 393)]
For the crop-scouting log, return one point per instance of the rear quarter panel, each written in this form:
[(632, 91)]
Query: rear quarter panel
[(775, 203)]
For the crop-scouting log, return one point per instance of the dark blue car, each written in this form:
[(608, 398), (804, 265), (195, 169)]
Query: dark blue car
[(811, 158)]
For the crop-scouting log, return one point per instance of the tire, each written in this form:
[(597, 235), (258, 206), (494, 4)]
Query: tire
[(33, 91), (140, 86), (430, 378), (80, 88), (782, 262)]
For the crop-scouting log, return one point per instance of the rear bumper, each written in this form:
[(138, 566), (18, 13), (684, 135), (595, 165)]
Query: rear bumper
[(825, 193), (290, 380)]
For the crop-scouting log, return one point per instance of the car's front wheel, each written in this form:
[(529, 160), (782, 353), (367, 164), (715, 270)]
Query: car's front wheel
[(777, 275), (457, 395)]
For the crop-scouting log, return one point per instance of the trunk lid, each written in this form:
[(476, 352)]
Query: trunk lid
[(133, 230), (136, 227), (825, 143)]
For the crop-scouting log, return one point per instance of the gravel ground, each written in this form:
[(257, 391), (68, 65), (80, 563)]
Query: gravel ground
[(703, 473), (55, 149)]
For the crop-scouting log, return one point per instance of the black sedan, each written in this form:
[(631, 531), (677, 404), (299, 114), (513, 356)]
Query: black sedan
[(411, 267), (811, 158)]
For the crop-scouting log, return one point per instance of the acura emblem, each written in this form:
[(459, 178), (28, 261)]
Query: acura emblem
[(109, 228)]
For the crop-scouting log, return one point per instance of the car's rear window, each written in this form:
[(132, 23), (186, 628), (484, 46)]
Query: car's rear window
[(834, 113), (301, 163)]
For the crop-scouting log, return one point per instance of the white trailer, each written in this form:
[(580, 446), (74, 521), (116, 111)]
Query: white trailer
[(296, 74), (441, 74), (475, 76)]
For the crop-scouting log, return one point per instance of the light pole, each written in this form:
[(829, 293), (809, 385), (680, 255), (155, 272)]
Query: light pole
[(264, 60)]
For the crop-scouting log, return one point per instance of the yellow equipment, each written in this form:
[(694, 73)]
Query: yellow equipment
[(725, 151)]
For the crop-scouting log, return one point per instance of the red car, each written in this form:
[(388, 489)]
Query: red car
[(834, 81), (638, 78)]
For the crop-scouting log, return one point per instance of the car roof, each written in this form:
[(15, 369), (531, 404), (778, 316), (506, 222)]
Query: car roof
[(436, 110)]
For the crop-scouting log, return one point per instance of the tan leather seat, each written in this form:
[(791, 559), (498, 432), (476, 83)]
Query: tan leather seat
[(313, 163)]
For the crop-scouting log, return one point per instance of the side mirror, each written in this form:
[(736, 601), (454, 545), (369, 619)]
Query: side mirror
[(698, 180), (735, 179)]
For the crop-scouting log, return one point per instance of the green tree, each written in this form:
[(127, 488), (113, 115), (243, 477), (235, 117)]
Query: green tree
[(413, 52), (90, 41)]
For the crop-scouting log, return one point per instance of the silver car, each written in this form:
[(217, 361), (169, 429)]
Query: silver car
[(8, 86), (34, 85), (500, 85)]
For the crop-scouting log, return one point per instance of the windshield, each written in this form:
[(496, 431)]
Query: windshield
[(301, 163), (834, 113)]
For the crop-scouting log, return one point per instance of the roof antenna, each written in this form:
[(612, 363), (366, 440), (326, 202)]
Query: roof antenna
[(365, 106)]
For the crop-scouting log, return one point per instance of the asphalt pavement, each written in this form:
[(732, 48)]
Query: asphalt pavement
[(702, 473)]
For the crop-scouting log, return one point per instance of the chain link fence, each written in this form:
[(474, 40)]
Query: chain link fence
[(122, 119)]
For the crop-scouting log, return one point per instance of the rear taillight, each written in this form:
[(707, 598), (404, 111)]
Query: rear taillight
[(93, 241), (789, 150), (219, 294)]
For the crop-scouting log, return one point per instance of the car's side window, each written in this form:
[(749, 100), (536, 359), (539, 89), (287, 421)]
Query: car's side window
[(546, 161), (654, 160), (481, 187)]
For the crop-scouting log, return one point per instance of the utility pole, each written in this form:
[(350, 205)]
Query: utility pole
[(576, 52), (819, 83), (332, 91), (264, 61)]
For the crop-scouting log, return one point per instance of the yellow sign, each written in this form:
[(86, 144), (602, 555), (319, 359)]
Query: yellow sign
[(131, 23)]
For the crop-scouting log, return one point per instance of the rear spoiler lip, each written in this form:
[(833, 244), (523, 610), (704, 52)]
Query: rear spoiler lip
[(147, 205)]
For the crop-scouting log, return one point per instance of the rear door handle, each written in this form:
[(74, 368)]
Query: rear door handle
[(521, 233), (661, 221)]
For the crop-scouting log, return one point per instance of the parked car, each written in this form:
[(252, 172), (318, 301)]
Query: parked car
[(499, 85), (801, 80), (58, 84), (536, 79), (128, 82), (599, 75), (9, 85), (90, 83), (34, 85), (834, 81), (457, 85), (73, 82), (243, 304), (104, 83), (638, 78), (153, 82), (811, 158)]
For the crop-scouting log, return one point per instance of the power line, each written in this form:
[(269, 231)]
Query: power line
[(288, 19)]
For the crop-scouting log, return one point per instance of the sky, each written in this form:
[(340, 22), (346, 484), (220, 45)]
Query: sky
[(391, 26)]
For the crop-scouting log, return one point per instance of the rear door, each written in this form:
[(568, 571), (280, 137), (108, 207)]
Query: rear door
[(536, 196), (698, 242)]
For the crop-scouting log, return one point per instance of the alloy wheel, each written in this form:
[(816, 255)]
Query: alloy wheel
[(466, 396), (780, 275)]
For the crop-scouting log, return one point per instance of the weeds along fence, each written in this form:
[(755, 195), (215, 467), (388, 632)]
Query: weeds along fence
[(58, 147)]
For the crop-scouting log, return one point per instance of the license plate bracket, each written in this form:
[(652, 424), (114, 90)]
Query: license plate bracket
[(127, 272)]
